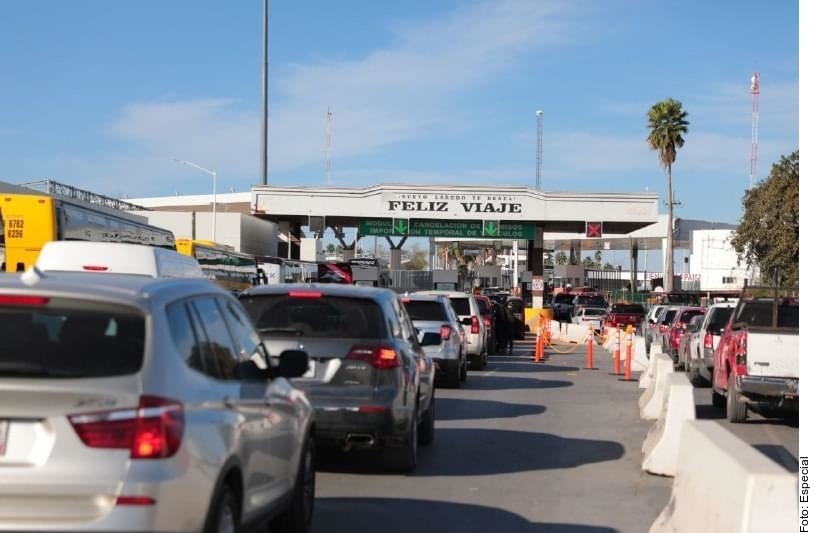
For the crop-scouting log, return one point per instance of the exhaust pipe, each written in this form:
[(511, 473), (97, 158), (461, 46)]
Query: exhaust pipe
[(356, 440)]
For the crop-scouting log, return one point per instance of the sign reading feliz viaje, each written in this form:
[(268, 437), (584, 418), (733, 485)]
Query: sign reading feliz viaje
[(452, 205), (446, 228)]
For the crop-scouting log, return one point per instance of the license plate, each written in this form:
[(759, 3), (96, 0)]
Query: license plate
[(4, 425), (312, 369)]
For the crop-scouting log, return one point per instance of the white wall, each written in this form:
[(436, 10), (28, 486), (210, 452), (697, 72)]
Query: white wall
[(713, 257)]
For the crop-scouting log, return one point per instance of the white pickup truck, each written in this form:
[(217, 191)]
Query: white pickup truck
[(756, 361)]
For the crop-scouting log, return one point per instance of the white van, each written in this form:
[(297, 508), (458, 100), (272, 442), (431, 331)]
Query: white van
[(117, 258)]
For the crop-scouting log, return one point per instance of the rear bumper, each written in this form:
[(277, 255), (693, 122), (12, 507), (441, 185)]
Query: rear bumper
[(447, 367), (769, 387), (349, 428)]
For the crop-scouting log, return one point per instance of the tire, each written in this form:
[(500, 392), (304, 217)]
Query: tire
[(735, 408), (480, 362), (297, 518), (464, 369), (453, 379), (426, 429), (224, 514), (404, 457)]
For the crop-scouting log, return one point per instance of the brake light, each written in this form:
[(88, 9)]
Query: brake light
[(681, 325), (135, 500), (12, 299), (153, 430), (662, 328), (305, 294), (708, 340), (487, 321), (446, 332), (740, 353), (94, 268), (475, 325), (380, 357)]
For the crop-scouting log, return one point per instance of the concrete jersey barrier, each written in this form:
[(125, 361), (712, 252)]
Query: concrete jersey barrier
[(724, 485), (660, 447), (650, 403), (647, 376)]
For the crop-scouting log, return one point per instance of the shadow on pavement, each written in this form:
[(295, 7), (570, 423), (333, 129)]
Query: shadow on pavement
[(708, 412), (779, 454), (497, 382), (477, 452), (395, 515), (466, 409), (524, 364)]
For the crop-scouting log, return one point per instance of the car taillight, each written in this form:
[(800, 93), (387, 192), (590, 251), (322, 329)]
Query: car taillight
[(662, 328), (12, 299), (446, 332), (708, 341), (487, 321), (682, 326), (153, 430), (94, 268), (475, 325), (305, 294), (380, 357), (740, 353)]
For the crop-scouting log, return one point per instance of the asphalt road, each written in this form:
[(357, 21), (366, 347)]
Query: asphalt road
[(521, 447)]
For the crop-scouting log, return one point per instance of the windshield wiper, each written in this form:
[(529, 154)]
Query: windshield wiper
[(31, 369)]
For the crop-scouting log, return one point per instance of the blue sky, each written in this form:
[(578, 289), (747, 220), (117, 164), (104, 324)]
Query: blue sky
[(103, 95)]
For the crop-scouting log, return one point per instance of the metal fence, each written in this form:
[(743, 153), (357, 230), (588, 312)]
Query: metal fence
[(69, 191), (411, 280)]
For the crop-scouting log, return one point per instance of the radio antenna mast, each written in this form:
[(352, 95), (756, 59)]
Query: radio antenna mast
[(755, 90), (539, 181), (328, 146)]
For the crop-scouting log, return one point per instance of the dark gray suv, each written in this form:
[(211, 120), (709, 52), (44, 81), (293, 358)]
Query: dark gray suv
[(370, 383)]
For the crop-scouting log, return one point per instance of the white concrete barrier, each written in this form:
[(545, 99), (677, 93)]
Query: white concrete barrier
[(640, 359), (569, 332), (725, 485), (610, 339), (650, 402), (660, 447), (647, 375)]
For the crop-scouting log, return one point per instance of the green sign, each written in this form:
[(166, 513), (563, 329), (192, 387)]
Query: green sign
[(488, 229)]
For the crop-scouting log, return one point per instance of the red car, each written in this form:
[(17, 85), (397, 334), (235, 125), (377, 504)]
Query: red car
[(622, 315), (487, 311), (676, 330)]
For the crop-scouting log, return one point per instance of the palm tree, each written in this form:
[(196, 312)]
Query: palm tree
[(667, 122)]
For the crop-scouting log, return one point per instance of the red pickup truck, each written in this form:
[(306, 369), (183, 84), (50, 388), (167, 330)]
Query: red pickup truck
[(620, 315), (756, 362)]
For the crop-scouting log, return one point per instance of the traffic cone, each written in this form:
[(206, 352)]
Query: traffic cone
[(617, 363), (628, 354)]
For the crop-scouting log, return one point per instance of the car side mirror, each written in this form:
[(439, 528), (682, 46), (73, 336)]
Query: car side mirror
[(466, 321), (293, 363)]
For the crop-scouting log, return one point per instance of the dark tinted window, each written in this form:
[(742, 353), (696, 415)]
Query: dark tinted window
[(594, 301), (324, 316), (242, 329), (686, 316), (719, 318), (630, 309), (483, 307), (70, 339), (461, 306), (668, 316), (563, 298), (594, 311), (759, 314), (419, 310), (515, 306), (183, 335), (218, 351)]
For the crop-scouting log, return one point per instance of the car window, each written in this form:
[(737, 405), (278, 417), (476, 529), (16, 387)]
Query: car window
[(182, 331), (220, 358), (461, 306), (407, 329), (483, 306), (592, 311), (668, 316), (686, 316), (425, 310), (71, 339), (563, 298), (246, 337), (323, 316), (515, 306)]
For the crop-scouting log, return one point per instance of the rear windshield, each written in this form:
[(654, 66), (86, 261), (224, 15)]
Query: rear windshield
[(70, 339), (432, 311), (686, 316), (563, 298), (630, 309), (592, 300), (322, 317), (461, 306), (593, 311), (515, 306), (668, 316), (759, 314), (483, 306), (719, 318)]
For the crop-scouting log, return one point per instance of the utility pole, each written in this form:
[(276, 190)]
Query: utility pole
[(755, 90), (539, 181), (328, 146), (264, 117)]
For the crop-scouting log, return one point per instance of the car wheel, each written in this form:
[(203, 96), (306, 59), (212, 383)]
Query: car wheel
[(404, 458), (297, 518), (224, 514), (426, 430), (464, 369), (735, 408), (478, 363), (454, 378)]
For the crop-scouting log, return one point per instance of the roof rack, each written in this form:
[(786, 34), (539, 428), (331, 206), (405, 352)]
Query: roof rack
[(69, 191)]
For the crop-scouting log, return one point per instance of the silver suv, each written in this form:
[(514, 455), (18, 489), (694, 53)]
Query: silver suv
[(437, 327), (466, 307), (134, 404)]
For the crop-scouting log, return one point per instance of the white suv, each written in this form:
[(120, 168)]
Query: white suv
[(469, 316)]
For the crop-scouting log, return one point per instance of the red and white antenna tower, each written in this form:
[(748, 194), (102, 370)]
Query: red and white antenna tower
[(755, 90), (328, 169)]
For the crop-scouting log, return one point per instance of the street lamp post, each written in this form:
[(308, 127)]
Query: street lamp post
[(214, 189)]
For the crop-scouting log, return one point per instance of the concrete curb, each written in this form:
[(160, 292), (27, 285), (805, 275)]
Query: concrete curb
[(660, 447), (724, 485)]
